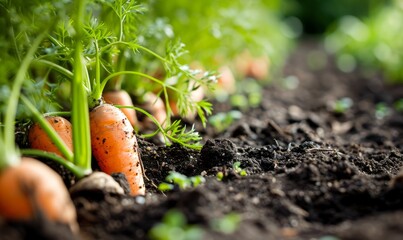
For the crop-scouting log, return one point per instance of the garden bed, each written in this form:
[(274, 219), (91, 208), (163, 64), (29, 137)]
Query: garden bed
[(311, 172)]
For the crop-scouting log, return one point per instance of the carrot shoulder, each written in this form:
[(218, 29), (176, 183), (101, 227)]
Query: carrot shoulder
[(31, 186), (121, 97), (114, 145), (38, 138)]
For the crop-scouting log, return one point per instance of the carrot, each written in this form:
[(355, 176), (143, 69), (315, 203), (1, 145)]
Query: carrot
[(114, 145), (121, 97), (156, 107), (38, 138), (258, 68), (195, 96), (251, 66), (31, 186), (226, 81)]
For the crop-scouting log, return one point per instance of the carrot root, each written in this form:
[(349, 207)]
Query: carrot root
[(32, 186), (38, 138), (114, 145)]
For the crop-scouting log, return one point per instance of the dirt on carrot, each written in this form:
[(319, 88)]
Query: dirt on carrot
[(114, 145)]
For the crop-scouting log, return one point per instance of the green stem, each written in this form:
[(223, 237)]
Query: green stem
[(45, 125), (113, 75), (55, 67), (77, 171), (80, 114), (11, 108), (96, 90), (133, 45), (161, 129)]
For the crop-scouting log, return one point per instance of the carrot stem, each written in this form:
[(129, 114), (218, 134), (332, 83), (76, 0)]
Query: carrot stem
[(80, 114), (56, 67), (10, 156), (113, 75), (133, 45), (45, 125), (166, 135)]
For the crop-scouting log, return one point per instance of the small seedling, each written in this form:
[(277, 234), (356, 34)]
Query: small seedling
[(174, 226), (223, 120), (180, 180), (220, 176), (227, 224), (249, 95), (237, 168), (342, 105), (381, 110)]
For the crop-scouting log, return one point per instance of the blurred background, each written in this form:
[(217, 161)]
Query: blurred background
[(252, 39)]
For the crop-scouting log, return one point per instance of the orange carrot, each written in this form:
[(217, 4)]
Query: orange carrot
[(114, 145), (121, 97), (258, 68), (38, 138), (31, 186), (226, 81), (156, 107), (195, 96), (252, 66)]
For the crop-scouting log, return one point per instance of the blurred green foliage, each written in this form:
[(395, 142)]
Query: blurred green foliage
[(317, 15), (174, 226), (216, 32), (374, 42)]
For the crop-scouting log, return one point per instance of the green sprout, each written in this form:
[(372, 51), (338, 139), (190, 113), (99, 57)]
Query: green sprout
[(342, 105), (227, 224), (182, 181), (174, 226), (381, 110), (220, 176), (237, 168), (223, 120), (248, 95)]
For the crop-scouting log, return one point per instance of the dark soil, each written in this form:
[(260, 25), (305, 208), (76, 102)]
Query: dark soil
[(311, 173)]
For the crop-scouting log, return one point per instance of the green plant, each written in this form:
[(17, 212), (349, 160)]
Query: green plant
[(85, 50), (223, 120), (175, 227), (237, 168), (183, 182), (224, 30), (248, 94), (220, 176), (17, 22), (381, 110), (29, 187), (370, 42), (226, 224), (342, 105)]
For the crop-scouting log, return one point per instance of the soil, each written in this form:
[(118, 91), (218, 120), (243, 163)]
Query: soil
[(312, 173)]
